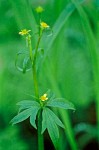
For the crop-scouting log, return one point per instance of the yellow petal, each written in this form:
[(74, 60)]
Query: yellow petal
[(24, 32), (44, 97), (44, 25)]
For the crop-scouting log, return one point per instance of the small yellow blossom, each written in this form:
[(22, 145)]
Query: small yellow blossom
[(24, 32), (44, 97), (39, 9), (44, 25)]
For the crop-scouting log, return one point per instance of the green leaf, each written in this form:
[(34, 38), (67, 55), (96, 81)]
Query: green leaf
[(55, 118), (28, 103), (50, 94), (48, 32), (64, 16), (53, 132), (52, 128), (25, 64), (23, 108), (40, 52), (34, 112), (60, 103), (43, 121), (21, 116)]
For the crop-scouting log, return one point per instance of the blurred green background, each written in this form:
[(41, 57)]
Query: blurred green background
[(66, 69)]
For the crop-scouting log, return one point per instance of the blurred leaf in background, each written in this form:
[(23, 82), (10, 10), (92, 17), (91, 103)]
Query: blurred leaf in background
[(9, 140)]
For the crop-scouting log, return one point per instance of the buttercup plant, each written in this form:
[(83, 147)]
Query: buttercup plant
[(39, 108)]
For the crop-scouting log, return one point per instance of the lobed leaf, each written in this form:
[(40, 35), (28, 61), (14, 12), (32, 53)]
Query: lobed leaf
[(21, 116), (55, 118), (53, 132), (60, 103), (23, 108), (28, 103), (25, 63), (50, 94), (44, 118), (34, 112), (52, 128)]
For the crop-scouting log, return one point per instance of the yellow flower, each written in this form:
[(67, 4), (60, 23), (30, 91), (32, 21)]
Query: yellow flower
[(24, 32), (44, 25), (39, 9), (44, 97)]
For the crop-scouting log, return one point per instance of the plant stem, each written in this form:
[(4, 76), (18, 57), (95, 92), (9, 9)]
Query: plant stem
[(40, 136), (33, 61), (34, 69), (36, 49), (30, 46), (35, 81)]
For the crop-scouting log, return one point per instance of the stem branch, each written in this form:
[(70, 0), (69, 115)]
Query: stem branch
[(34, 69)]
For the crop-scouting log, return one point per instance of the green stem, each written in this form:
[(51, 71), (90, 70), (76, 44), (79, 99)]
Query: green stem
[(37, 46), (40, 136), (39, 22), (34, 68), (30, 46), (33, 61), (35, 80)]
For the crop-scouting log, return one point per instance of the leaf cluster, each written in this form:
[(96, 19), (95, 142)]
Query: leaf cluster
[(50, 121)]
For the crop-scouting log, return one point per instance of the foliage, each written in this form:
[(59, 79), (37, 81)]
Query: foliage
[(67, 67), (30, 108)]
